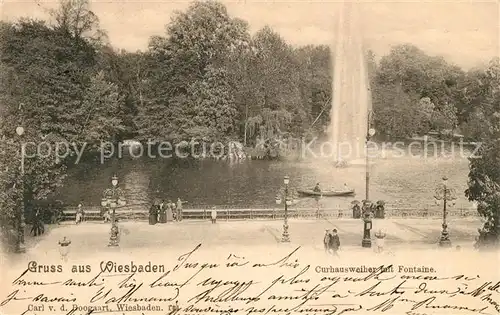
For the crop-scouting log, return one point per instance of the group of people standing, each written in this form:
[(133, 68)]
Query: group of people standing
[(331, 241), (163, 212)]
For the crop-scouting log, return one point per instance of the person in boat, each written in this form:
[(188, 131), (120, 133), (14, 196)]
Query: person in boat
[(346, 188), (317, 188)]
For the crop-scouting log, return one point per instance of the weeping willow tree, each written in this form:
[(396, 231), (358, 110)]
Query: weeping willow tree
[(266, 130), (268, 125)]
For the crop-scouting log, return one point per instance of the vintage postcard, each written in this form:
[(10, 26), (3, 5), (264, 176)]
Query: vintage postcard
[(249, 157)]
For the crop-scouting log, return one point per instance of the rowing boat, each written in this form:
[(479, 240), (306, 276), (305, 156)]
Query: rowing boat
[(327, 193)]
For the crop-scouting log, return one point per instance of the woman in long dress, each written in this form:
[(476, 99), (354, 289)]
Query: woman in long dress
[(163, 212), (214, 215), (153, 214), (174, 211), (79, 214), (170, 216), (179, 209)]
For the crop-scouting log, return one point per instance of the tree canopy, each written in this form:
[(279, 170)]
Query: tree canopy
[(208, 77)]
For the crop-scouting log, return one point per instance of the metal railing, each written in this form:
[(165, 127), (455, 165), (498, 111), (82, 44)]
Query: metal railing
[(227, 214)]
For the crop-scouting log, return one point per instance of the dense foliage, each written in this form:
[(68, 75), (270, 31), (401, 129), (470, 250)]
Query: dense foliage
[(484, 176), (207, 77), (53, 86)]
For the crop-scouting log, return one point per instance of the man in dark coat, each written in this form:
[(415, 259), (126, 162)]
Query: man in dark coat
[(334, 244), (37, 228)]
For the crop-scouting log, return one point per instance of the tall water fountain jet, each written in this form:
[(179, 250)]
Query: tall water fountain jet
[(351, 102)]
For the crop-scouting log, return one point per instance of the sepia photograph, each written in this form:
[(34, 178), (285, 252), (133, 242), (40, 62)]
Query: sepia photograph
[(249, 157)]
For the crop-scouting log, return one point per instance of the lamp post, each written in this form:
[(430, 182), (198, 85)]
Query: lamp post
[(367, 225), (113, 197), (367, 216), (446, 194), (288, 201), (370, 132), (21, 247)]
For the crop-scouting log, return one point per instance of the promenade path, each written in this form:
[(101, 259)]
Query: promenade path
[(91, 238), (410, 243)]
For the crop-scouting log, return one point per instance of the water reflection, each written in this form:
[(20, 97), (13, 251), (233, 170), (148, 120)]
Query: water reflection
[(248, 183)]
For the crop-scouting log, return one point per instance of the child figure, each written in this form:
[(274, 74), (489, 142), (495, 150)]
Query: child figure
[(107, 216), (79, 214), (380, 240), (64, 248), (214, 215)]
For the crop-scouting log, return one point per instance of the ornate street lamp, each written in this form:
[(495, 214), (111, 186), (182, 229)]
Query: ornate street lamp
[(367, 226), (367, 215), (289, 199), (113, 197), (370, 132), (446, 194), (21, 247)]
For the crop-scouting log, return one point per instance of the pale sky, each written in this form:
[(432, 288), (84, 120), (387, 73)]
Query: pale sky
[(465, 32)]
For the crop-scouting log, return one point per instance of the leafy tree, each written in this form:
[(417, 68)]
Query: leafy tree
[(371, 66), (484, 175), (52, 75), (426, 111), (315, 86), (472, 128), (43, 174), (99, 113), (445, 118), (75, 18), (398, 122), (203, 36), (199, 43), (408, 73), (123, 70), (272, 96), (213, 102), (49, 86)]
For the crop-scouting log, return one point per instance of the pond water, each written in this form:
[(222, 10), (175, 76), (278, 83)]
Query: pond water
[(404, 181)]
